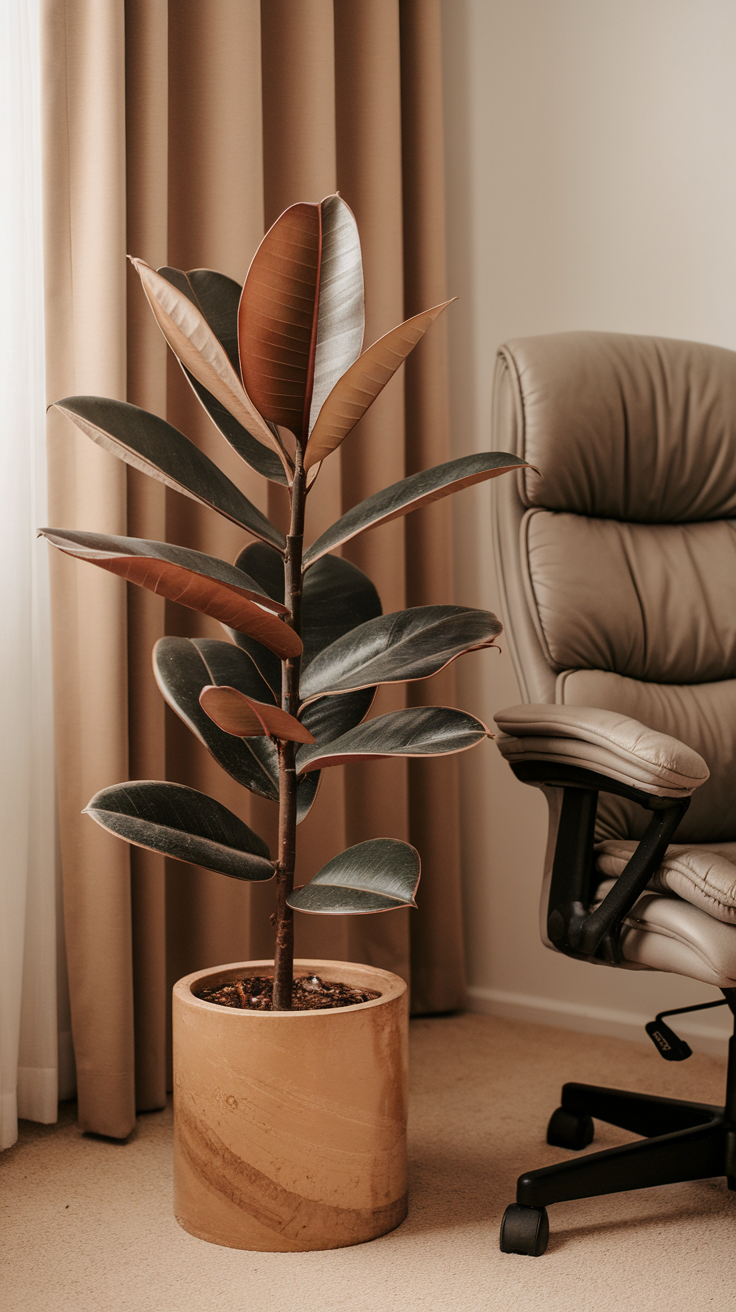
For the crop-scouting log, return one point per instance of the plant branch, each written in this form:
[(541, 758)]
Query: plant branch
[(290, 672)]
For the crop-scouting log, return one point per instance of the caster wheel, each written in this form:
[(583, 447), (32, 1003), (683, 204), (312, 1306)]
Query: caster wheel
[(569, 1130), (524, 1230)]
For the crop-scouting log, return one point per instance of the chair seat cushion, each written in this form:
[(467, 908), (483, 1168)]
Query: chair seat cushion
[(661, 932), (702, 874)]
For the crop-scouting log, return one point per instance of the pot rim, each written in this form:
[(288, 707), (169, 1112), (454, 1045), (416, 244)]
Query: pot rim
[(392, 987)]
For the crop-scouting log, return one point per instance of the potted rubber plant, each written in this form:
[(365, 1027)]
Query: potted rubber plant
[(290, 1090)]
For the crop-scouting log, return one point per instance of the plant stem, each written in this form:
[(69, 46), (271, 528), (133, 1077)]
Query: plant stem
[(290, 670)]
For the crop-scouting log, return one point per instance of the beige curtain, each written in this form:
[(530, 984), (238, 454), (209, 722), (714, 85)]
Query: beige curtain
[(178, 132)]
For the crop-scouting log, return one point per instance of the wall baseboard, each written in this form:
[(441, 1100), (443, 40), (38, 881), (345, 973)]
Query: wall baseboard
[(703, 1036)]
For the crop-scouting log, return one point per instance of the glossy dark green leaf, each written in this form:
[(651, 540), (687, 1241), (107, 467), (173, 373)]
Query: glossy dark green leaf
[(160, 450), (265, 565), (191, 578), (217, 296), (410, 644), (259, 457), (330, 717), (268, 565), (182, 671), (411, 493), (183, 667), (305, 794), (184, 824), (337, 596), (420, 731), (229, 666), (379, 875)]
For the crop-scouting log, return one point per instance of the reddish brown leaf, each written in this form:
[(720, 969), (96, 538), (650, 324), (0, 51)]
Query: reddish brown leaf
[(243, 717), (363, 382), (277, 319), (191, 578)]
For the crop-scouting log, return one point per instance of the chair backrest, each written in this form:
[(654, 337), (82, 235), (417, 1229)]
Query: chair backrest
[(618, 559)]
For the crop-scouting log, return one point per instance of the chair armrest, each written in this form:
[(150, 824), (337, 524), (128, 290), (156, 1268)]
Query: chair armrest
[(605, 742)]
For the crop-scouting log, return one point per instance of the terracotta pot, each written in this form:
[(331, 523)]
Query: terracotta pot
[(290, 1127)]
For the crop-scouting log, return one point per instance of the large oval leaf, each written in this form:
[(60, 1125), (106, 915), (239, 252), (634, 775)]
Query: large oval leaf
[(268, 665), (183, 667), (160, 450), (244, 717), (201, 582), (336, 595), (411, 493), (181, 673), (330, 717), (196, 346), (268, 567), (379, 875), (410, 644), (363, 382), (420, 731), (184, 824), (277, 319), (259, 457), (341, 307), (218, 296), (230, 666)]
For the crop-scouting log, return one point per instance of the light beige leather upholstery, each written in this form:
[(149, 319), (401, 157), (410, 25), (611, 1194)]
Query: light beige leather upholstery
[(618, 564), (614, 745)]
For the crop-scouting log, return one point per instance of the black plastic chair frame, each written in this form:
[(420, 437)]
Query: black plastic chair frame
[(572, 926), (682, 1140)]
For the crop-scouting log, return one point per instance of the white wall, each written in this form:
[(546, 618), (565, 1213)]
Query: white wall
[(591, 183)]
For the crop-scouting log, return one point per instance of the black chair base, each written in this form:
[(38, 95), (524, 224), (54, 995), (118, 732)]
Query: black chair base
[(683, 1141)]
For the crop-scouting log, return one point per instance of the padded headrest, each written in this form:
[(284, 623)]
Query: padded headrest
[(623, 427)]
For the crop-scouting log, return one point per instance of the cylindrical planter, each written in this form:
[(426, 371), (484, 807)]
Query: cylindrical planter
[(290, 1126)]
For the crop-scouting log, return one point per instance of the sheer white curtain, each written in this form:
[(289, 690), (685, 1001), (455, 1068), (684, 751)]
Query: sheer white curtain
[(29, 1049)]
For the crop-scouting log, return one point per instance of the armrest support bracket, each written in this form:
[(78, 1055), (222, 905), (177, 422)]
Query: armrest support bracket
[(572, 926)]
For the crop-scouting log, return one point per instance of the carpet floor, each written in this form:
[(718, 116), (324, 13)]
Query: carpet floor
[(86, 1223)]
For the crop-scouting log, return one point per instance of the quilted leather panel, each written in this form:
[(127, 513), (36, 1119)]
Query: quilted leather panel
[(701, 715), (702, 874), (655, 603), (627, 427)]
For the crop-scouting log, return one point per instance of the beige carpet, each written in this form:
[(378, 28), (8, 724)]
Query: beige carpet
[(86, 1223)]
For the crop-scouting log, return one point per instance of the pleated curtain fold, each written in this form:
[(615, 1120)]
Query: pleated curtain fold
[(178, 132)]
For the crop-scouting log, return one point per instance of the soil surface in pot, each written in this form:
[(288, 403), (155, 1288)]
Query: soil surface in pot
[(309, 993)]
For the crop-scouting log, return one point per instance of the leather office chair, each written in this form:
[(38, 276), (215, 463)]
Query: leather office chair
[(618, 574)]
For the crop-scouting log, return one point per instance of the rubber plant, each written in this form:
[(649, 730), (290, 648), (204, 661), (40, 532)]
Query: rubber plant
[(279, 368)]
